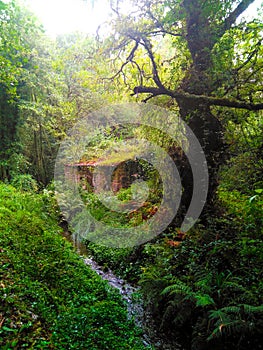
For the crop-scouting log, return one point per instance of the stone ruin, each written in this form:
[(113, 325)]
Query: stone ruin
[(106, 176)]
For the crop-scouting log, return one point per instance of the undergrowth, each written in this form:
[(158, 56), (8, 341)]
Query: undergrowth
[(204, 287), (208, 288), (49, 298)]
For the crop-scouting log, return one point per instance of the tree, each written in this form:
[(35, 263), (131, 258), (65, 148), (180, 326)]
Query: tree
[(10, 70), (20, 85), (212, 63)]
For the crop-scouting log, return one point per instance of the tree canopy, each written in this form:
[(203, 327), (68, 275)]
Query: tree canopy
[(200, 54)]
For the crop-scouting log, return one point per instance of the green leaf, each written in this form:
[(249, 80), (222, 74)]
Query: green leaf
[(7, 329), (204, 300)]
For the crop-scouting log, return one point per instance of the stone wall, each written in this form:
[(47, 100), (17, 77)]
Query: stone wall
[(97, 174)]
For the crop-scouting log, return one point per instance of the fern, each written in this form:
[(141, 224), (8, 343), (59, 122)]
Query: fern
[(236, 320), (219, 315), (152, 284), (178, 288), (178, 312), (181, 288), (204, 300), (231, 328), (247, 309), (204, 280)]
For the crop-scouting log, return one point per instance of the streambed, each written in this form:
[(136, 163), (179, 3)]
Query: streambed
[(130, 294)]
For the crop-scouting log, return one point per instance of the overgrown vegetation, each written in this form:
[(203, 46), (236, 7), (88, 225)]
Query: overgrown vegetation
[(209, 286), (202, 61), (49, 298), (204, 287)]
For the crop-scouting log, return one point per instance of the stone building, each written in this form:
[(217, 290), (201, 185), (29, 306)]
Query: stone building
[(105, 175)]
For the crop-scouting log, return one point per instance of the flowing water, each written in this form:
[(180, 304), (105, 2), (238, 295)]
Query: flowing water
[(142, 318)]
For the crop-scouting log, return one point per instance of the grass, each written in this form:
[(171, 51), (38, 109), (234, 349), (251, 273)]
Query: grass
[(49, 298)]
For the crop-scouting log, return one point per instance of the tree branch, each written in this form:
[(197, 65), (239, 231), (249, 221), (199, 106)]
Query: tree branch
[(250, 56), (161, 32), (231, 19), (128, 59), (159, 26), (139, 70), (208, 100), (146, 43)]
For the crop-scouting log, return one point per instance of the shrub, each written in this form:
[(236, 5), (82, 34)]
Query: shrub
[(24, 182)]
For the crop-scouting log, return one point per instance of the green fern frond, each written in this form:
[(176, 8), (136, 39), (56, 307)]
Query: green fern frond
[(203, 280), (243, 308), (204, 300), (254, 309), (178, 288), (233, 320), (178, 312), (217, 314), (230, 328)]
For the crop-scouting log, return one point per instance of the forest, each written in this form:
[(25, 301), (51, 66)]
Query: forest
[(144, 143)]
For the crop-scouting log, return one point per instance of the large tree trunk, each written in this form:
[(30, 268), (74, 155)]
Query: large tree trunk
[(198, 80), (198, 89), (209, 131)]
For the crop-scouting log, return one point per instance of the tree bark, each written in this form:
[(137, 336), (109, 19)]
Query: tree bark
[(209, 131)]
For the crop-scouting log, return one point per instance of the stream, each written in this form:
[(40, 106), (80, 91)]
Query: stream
[(142, 318)]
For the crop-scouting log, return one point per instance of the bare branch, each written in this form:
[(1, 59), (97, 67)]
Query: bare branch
[(128, 60), (148, 98), (149, 90), (132, 53), (115, 9), (159, 25)]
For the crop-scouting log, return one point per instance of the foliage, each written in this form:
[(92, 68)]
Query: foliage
[(24, 182), (125, 198), (45, 86), (50, 299), (204, 282), (239, 320), (199, 59), (121, 260), (204, 62), (212, 61), (17, 26), (246, 211)]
